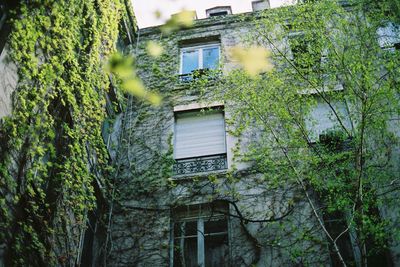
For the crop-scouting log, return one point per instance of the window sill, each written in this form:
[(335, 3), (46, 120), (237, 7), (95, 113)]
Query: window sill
[(198, 175), (310, 91)]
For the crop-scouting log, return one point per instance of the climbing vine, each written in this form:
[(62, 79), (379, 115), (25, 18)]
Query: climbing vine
[(52, 148)]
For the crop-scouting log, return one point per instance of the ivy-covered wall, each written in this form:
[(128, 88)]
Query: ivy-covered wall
[(272, 219), (147, 192), (56, 174), (53, 159)]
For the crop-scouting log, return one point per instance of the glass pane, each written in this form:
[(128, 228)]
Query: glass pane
[(210, 58), (185, 252), (216, 243), (191, 228), (190, 61), (105, 131), (217, 226), (185, 229), (216, 251), (185, 247)]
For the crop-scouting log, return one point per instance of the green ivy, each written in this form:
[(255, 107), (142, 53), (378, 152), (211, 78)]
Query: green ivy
[(53, 138)]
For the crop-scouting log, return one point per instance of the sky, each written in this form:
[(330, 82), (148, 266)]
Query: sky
[(145, 9)]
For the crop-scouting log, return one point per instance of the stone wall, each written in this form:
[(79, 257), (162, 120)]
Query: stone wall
[(8, 82), (149, 193)]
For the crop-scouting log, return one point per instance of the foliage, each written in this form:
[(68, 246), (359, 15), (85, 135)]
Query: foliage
[(123, 68), (254, 60), (53, 150), (325, 54), (182, 19)]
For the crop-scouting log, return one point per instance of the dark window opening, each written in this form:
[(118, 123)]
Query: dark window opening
[(221, 13), (335, 141), (335, 223), (306, 57), (95, 234), (201, 236), (5, 16), (377, 252)]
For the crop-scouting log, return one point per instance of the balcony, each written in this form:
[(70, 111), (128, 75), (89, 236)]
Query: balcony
[(208, 74), (200, 164)]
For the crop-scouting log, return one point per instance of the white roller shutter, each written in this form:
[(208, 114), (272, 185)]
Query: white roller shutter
[(199, 134)]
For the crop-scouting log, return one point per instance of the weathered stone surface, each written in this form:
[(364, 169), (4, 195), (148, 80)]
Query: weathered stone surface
[(8, 82), (149, 194)]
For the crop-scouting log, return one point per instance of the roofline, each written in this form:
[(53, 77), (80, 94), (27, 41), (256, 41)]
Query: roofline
[(233, 18), (204, 22)]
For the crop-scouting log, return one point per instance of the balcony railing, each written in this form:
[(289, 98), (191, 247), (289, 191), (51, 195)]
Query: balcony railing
[(200, 164), (200, 73)]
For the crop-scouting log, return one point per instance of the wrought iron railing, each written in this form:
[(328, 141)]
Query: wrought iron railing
[(200, 73), (200, 164)]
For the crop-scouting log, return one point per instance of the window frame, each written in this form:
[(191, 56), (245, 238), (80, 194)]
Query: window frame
[(200, 49), (206, 212), (300, 46), (200, 163), (216, 109)]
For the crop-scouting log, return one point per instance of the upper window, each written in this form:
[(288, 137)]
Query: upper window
[(199, 141), (218, 11), (199, 57)]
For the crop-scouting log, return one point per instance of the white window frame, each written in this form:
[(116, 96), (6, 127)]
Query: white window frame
[(200, 54)]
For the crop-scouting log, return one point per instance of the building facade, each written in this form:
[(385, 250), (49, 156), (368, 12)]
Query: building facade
[(183, 190), (184, 197)]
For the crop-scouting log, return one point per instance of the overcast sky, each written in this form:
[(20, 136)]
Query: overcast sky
[(145, 9)]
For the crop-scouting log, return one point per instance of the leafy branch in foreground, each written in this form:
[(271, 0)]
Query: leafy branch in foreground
[(327, 113)]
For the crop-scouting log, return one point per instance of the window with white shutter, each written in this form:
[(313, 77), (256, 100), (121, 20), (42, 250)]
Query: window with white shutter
[(199, 143)]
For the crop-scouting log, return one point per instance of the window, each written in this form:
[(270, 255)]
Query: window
[(205, 57), (321, 119), (113, 108), (216, 14), (199, 144), (306, 56), (389, 36), (200, 236), (336, 224), (218, 11)]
